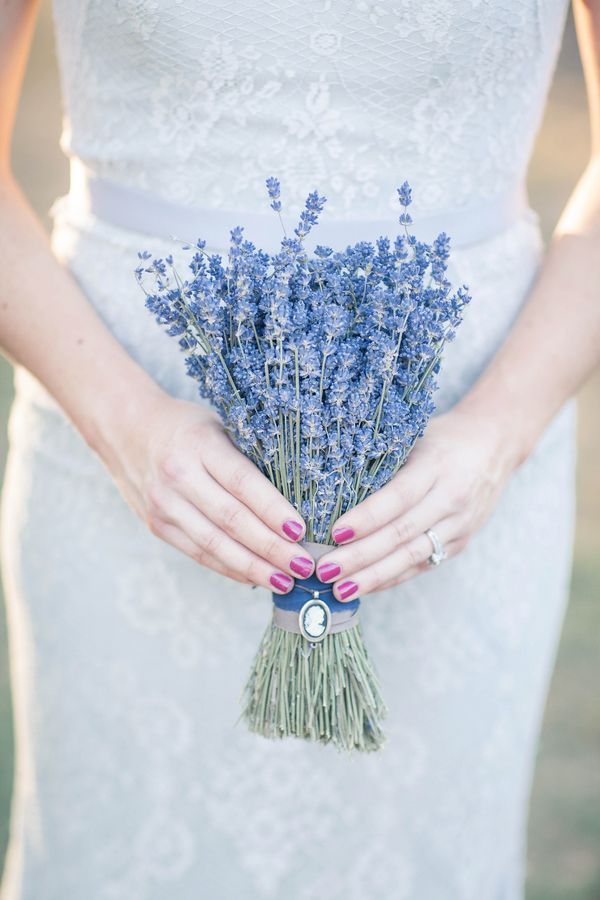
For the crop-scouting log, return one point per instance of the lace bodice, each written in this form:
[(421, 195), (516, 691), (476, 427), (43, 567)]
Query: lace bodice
[(346, 96)]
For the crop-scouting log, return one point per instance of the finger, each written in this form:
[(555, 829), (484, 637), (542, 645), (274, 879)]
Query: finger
[(392, 567), (406, 488), (173, 535), (216, 543), (241, 523), (363, 552), (413, 572), (452, 549), (242, 478)]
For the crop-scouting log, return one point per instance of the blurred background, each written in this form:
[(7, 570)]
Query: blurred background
[(564, 830)]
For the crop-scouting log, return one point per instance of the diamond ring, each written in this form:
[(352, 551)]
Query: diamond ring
[(439, 554)]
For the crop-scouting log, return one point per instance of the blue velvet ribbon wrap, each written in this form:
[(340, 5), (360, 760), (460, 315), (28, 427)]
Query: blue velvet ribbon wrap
[(297, 597)]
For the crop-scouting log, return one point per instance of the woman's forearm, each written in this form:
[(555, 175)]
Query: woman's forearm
[(171, 458), (48, 326), (555, 343)]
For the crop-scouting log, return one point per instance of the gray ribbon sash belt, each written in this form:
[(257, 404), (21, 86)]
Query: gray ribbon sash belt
[(148, 214)]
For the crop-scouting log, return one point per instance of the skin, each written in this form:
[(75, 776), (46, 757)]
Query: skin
[(172, 460)]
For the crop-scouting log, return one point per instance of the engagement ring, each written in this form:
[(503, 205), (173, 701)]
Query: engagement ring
[(439, 554)]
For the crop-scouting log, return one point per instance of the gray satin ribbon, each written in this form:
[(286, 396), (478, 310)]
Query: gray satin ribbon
[(149, 214), (288, 620)]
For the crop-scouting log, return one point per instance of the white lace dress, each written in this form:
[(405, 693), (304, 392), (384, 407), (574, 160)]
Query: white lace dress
[(128, 659)]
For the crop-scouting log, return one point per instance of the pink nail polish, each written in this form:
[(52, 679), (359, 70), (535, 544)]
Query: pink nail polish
[(328, 570), (281, 581), (343, 534), (293, 529), (302, 565), (346, 588)]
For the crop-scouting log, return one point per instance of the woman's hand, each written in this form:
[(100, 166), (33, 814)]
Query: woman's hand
[(449, 484), (179, 470)]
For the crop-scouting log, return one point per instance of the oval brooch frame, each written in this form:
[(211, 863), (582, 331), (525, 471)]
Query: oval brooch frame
[(314, 620)]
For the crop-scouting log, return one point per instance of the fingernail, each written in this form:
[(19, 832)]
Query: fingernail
[(346, 588), (293, 529), (328, 570), (281, 581), (343, 534), (302, 565)]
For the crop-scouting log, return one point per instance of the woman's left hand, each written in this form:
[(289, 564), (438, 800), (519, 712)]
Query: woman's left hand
[(449, 484)]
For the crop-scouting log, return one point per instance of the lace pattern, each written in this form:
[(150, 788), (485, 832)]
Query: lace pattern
[(350, 97)]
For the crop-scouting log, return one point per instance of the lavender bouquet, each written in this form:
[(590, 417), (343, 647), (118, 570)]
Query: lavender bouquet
[(322, 367)]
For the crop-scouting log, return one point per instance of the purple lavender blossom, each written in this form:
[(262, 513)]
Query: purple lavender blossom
[(323, 367)]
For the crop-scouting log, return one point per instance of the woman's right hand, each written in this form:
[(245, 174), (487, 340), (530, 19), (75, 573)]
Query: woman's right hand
[(178, 469)]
